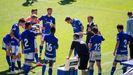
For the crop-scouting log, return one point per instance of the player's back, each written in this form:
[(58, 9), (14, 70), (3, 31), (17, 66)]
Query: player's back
[(7, 39), (123, 39), (80, 47), (96, 41), (51, 45), (76, 24), (15, 29), (28, 37)]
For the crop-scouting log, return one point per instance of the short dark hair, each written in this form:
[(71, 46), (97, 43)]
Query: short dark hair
[(129, 13), (120, 26), (49, 9), (95, 30), (27, 24), (33, 10), (91, 17), (22, 20), (67, 18), (52, 30), (76, 36)]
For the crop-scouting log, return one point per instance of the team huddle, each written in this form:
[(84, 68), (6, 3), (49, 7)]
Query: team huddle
[(85, 51)]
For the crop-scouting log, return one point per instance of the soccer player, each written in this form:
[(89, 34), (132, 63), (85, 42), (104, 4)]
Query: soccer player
[(50, 50), (28, 46), (90, 26), (7, 47), (36, 28), (129, 31), (48, 21), (82, 51), (95, 51), (77, 27), (120, 52), (33, 11), (15, 44)]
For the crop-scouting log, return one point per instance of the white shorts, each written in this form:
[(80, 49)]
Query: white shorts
[(29, 56), (49, 60), (35, 43), (120, 58), (15, 50), (4, 46), (95, 56)]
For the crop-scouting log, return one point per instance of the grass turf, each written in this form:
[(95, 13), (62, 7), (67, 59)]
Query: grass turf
[(107, 14)]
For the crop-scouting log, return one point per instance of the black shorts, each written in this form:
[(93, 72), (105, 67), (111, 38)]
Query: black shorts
[(83, 62)]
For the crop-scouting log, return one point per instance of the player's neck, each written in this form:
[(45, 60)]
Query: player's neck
[(49, 15)]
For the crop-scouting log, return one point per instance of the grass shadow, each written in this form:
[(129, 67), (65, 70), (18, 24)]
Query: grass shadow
[(29, 2), (7, 72), (64, 2)]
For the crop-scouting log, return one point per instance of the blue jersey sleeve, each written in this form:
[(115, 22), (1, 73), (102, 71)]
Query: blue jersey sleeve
[(13, 28), (34, 33), (117, 38), (102, 38), (53, 20), (41, 18)]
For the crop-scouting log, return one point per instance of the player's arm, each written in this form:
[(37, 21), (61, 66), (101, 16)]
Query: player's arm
[(116, 46), (70, 53), (12, 35), (89, 45), (71, 50)]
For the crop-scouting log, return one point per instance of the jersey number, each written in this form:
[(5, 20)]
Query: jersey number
[(26, 42), (125, 43), (97, 46), (49, 47)]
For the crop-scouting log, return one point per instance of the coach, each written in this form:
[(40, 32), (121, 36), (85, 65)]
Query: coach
[(129, 31)]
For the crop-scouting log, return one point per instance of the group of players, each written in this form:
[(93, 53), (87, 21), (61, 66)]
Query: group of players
[(32, 28), (86, 51)]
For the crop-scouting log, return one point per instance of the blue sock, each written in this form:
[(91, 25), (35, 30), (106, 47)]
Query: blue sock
[(50, 71), (12, 64), (43, 69), (41, 48), (19, 63), (36, 57), (124, 69), (100, 73), (113, 70), (91, 71), (26, 69), (75, 52), (8, 59)]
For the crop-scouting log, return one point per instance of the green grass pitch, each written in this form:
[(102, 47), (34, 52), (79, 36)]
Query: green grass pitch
[(107, 14)]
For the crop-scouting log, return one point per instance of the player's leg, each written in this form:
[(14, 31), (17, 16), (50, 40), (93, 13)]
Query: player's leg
[(91, 63), (99, 67), (113, 68), (27, 64), (18, 57), (98, 62), (8, 58), (44, 66), (91, 68), (36, 52), (7, 50), (50, 70), (83, 63), (124, 58), (13, 59), (41, 46)]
